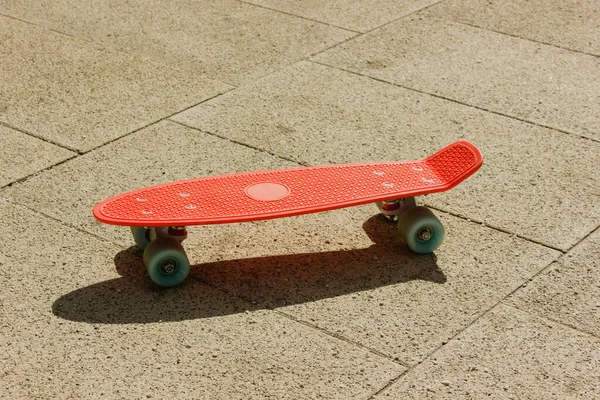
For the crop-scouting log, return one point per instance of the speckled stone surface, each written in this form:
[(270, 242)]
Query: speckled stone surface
[(361, 16), (22, 155), (569, 291), (73, 328), (82, 95), (507, 354), (349, 273), (573, 25), (98, 98), (535, 82), (226, 39)]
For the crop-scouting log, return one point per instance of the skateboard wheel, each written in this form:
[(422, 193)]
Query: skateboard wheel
[(166, 262), (141, 236), (421, 230)]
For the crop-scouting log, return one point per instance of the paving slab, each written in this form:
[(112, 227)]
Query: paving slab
[(569, 292), (314, 114), (22, 155), (364, 284), (81, 95), (161, 153), (535, 82), (72, 328), (507, 354), (570, 24), (361, 16), (227, 39)]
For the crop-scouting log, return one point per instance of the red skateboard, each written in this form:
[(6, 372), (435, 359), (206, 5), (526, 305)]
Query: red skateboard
[(159, 214)]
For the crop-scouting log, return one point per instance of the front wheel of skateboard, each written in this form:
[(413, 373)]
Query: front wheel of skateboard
[(421, 230), (166, 262), (141, 236)]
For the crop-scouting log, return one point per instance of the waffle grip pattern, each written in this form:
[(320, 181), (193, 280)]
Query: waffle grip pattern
[(261, 195)]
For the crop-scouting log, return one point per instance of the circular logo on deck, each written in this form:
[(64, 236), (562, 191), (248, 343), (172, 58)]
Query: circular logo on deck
[(267, 191)]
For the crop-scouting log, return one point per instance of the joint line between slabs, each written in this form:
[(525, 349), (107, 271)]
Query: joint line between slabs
[(47, 28), (296, 16), (359, 34), (340, 337), (439, 96), (525, 38), (23, 179), (165, 118), (43, 139), (61, 222), (104, 46), (239, 143), (389, 384), (544, 270), (80, 153), (403, 16), (484, 224), (541, 271), (572, 327)]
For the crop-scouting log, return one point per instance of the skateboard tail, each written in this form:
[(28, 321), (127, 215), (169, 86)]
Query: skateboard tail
[(454, 163)]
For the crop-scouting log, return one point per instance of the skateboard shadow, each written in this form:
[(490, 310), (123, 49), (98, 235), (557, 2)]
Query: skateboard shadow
[(236, 286)]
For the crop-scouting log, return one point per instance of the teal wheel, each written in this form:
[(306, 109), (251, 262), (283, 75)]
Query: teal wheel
[(421, 230), (141, 236), (166, 262)]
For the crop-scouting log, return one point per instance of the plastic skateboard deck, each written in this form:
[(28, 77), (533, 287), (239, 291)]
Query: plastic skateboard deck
[(260, 195), (159, 214)]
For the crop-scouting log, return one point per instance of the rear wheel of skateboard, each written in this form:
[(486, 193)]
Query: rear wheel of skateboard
[(421, 230), (166, 262), (141, 236)]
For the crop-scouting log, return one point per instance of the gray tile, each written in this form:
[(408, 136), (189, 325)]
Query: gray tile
[(357, 15), (507, 354), (569, 292), (536, 182), (570, 24), (527, 80), (72, 328), (364, 284), (227, 40), (22, 155)]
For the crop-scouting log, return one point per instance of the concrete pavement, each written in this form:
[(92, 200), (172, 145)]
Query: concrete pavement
[(105, 97)]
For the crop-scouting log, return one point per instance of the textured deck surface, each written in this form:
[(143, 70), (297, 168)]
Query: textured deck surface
[(273, 194)]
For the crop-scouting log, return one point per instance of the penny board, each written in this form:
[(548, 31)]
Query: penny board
[(259, 195)]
